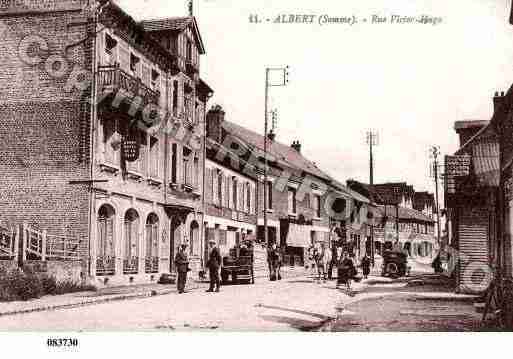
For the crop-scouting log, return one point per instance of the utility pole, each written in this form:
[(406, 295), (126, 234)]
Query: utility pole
[(435, 152), (372, 140), (268, 84)]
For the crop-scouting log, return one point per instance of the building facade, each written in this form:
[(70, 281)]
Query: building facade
[(123, 173), (230, 193)]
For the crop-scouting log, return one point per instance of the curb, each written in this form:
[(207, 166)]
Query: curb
[(87, 302)]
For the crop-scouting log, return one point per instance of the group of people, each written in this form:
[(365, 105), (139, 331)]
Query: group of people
[(325, 259), (213, 265)]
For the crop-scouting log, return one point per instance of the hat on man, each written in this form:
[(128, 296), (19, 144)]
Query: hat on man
[(211, 240)]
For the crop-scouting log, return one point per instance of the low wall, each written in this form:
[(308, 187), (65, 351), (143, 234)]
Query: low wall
[(61, 270)]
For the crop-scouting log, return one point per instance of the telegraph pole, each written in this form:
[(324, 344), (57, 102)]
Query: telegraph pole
[(435, 152), (268, 84), (372, 140)]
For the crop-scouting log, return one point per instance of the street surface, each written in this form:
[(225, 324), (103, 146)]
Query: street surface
[(297, 303)]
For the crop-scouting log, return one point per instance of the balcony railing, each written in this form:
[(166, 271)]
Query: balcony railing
[(131, 265), (105, 265), (151, 264), (115, 78)]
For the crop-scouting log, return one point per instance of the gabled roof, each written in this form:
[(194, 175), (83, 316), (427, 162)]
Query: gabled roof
[(175, 24), (339, 187), (281, 152), (423, 199)]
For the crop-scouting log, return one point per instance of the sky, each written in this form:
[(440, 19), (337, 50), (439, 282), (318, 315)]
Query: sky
[(408, 82)]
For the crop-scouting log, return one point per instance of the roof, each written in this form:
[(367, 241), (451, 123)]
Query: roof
[(423, 199), (365, 190), (460, 125), (405, 213), (391, 192), (283, 153), (346, 190), (175, 24)]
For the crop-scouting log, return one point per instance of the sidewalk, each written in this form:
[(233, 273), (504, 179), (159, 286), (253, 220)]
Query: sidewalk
[(110, 294)]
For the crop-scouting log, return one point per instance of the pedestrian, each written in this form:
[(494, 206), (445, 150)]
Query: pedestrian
[(346, 271), (365, 264), (213, 264), (182, 267), (321, 262), (333, 261)]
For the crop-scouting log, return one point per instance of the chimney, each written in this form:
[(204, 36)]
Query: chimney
[(215, 118), (497, 100), (296, 145), (271, 136)]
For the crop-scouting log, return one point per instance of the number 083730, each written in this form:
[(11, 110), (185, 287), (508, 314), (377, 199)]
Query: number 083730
[(62, 342)]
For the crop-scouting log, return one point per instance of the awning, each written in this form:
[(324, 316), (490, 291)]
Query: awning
[(485, 158)]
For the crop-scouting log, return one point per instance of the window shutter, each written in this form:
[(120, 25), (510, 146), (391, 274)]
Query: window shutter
[(124, 58)]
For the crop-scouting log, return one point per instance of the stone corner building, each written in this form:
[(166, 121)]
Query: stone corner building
[(91, 172)]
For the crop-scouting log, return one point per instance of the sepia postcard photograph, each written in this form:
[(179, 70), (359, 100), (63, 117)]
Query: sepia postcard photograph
[(222, 166)]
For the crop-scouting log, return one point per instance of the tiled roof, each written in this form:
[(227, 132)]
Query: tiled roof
[(174, 24), (357, 196), (283, 153), (405, 214), (170, 23)]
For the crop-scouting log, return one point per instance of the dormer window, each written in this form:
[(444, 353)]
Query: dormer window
[(134, 63), (110, 44)]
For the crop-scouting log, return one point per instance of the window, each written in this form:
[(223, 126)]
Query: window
[(154, 158), (111, 141), (134, 64), (248, 198), (317, 205), (175, 97), (106, 251), (131, 248), (220, 188), (187, 173), (110, 44), (234, 192), (269, 194), (174, 149), (292, 200), (196, 172), (151, 247)]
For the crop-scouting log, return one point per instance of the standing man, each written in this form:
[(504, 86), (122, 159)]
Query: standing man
[(182, 266), (213, 264)]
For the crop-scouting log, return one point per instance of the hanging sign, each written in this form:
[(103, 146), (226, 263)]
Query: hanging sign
[(456, 166), (130, 150)]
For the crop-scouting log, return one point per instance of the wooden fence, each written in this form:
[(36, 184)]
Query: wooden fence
[(26, 243)]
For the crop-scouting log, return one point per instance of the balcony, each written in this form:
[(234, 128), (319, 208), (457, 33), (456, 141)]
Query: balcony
[(105, 265), (151, 264), (113, 79)]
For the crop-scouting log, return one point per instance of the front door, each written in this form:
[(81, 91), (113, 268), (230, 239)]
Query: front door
[(174, 241)]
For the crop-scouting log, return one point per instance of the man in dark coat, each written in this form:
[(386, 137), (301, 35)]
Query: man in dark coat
[(182, 266), (365, 264), (213, 264)]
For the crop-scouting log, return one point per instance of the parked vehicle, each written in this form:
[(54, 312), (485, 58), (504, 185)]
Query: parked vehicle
[(238, 265), (395, 264)]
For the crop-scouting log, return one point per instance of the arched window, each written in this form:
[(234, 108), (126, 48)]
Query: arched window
[(105, 241), (131, 242), (151, 244), (194, 238)]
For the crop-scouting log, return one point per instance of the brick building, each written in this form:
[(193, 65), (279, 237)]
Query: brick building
[(124, 173)]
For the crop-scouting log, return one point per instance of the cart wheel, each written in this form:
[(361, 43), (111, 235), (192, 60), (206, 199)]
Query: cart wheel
[(392, 269)]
